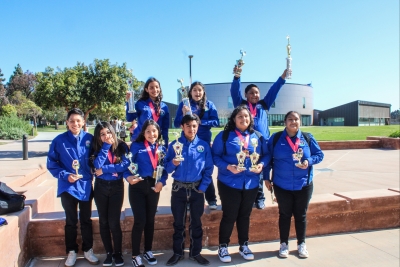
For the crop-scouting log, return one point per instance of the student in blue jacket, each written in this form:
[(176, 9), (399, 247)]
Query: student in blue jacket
[(144, 189), (237, 187), (292, 160), (258, 109), (109, 164), (150, 106), (208, 115), (68, 161), (191, 176)]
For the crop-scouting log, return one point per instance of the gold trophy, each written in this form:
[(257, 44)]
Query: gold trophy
[(133, 167), (254, 156), (75, 166), (288, 59), (241, 156), (239, 64), (298, 155), (178, 148), (185, 98)]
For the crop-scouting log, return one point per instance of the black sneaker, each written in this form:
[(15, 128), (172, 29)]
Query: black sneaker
[(137, 262), (118, 259), (260, 204), (109, 260), (149, 257)]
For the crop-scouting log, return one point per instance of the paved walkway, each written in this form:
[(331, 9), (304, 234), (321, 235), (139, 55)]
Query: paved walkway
[(375, 248), (341, 171)]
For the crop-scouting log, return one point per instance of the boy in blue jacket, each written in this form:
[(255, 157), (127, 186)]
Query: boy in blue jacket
[(191, 176), (68, 161)]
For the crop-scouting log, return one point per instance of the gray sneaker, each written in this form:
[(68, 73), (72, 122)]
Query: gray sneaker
[(71, 259), (90, 257), (302, 249)]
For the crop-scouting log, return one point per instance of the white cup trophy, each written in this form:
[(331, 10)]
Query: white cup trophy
[(185, 97), (239, 64), (131, 102)]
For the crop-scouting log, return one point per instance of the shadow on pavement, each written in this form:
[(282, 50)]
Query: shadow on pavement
[(18, 154)]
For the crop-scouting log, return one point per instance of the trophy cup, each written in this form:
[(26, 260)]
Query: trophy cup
[(239, 64), (133, 167), (288, 59), (241, 156), (298, 155), (131, 102), (75, 166), (254, 156), (178, 148), (185, 98)]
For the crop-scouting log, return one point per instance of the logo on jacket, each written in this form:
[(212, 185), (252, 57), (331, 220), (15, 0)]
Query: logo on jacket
[(258, 106), (87, 144), (162, 112), (200, 149), (302, 143)]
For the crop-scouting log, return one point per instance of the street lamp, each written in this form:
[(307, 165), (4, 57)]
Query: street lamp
[(190, 68)]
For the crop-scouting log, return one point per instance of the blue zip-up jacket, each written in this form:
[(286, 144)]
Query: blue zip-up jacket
[(143, 113), (261, 120), (63, 150), (197, 166), (209, 119), (141, 157), (285, 174), (111, 171), (245, 179)]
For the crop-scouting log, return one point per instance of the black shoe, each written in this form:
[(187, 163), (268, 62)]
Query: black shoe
[(200, 260), (174, 259), (118, 260), (109, 260)]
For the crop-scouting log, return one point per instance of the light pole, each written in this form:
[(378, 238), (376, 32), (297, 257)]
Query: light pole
[(190, 69)]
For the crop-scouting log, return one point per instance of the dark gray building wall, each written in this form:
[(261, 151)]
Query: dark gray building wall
[(172, 113), (347, 111)]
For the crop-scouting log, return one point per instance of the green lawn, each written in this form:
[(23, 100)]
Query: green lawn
[(321, 133)]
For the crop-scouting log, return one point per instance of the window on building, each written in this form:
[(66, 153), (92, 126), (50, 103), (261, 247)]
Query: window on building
[(273, 105), (304, 102), (230, 102)]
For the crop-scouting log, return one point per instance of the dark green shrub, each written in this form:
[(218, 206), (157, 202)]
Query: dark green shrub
[(12, 128), (395, 134)]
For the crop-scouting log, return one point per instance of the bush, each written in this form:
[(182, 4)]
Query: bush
[(12, 128), (395, 134), (8, 111)]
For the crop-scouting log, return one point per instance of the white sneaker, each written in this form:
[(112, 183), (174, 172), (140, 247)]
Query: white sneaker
[(223, 253), (284, 250), (302, 249), (71, 259), (245, 252), (91, 258)]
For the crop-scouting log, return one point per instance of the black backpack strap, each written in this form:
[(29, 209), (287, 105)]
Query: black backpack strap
[(225, 135), (308, 139), (263, 104), (277, 135)]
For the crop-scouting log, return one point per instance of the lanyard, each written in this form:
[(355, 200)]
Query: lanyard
[(294, 146), (153, 158), (245, 141), (111, 157), (153, 113), (253, 111)]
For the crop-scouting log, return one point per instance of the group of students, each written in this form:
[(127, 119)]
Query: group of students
[(75, 157)]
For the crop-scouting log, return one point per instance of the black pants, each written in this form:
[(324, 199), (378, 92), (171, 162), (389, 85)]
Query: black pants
[(70, 205), (144, 203), (109, 196), (260, 192), (180, 197), (293, 203), (210, 192), (237, 205)]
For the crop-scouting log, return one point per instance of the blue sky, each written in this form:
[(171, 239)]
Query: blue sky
[(349, 50)]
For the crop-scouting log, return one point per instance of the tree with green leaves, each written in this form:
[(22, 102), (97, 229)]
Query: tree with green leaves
[(3, 97), (20, 81), (25, 107), (97, 85)]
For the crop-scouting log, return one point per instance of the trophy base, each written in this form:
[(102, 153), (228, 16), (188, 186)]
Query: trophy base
[(298, 164), (179, 159), (79, 176), (255, 168), (241, 168), (131, 111)]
